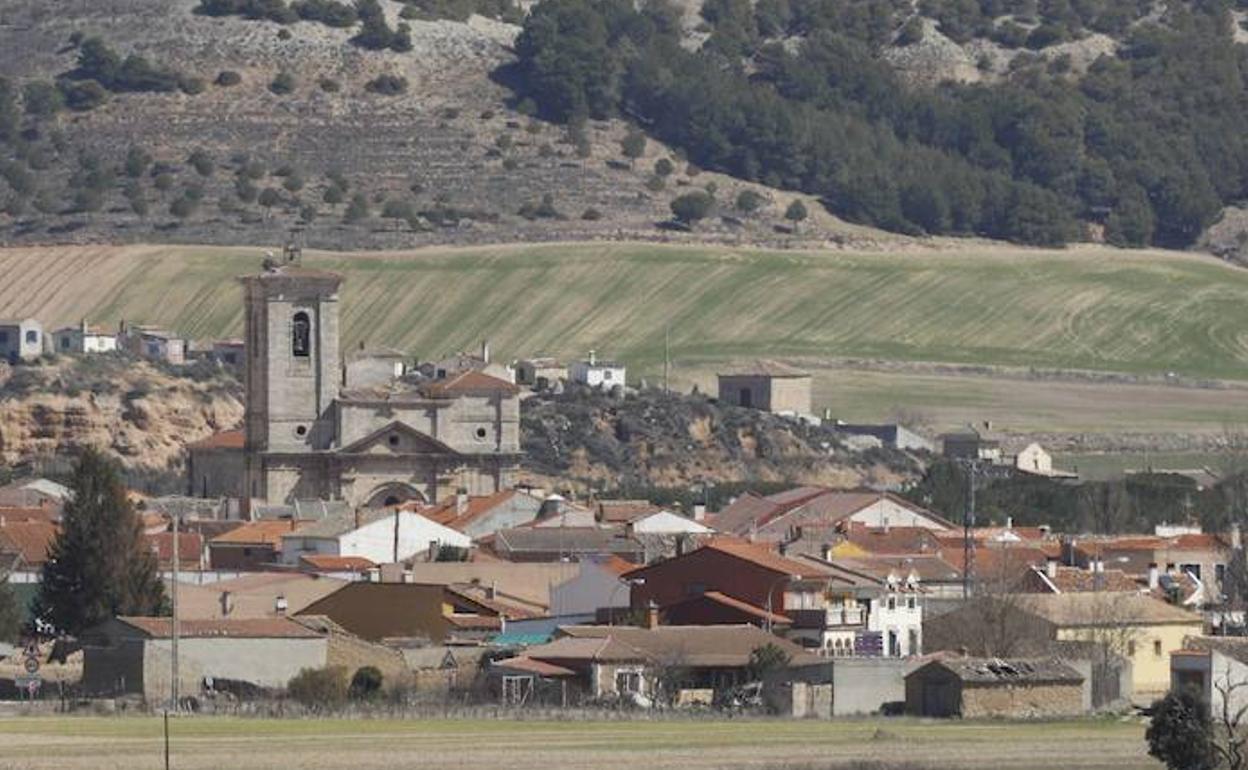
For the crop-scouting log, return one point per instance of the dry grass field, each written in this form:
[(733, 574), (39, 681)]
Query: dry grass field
[(134, 743)]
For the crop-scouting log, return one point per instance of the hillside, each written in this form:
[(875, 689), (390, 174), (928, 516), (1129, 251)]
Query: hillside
[(448, 158), (1088, 308)]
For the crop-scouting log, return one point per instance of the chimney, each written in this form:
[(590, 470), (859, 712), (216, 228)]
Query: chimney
[(652, 615), (593, 357), (1154, 576), (485, 351), (699, 511), (1050, 568), (408, 576), (827, 552), (280, 605), (1009, 522), (492, 591), (461, 501), (1236, 539)]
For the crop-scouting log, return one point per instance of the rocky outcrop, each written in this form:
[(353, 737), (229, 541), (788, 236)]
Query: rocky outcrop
[(141, 414), (594, 440)]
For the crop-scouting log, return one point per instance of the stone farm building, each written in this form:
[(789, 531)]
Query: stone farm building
[(990, 687), (767, 385), (306, 437)]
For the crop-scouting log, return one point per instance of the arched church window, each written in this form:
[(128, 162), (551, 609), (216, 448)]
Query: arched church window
[(301, 335)]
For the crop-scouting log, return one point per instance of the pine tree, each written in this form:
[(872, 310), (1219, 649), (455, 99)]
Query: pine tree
[(10, 611), (98, 566)]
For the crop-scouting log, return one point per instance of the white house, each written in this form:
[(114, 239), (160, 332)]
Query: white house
[(83, 339), (382, 537), (21, 340), (595, 373), (897, 616)]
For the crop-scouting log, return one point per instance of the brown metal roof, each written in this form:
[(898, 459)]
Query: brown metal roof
[(243, 628)]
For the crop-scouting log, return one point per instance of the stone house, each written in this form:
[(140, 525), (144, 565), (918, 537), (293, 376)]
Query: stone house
[(153, 343), (597, 373), (1135, 626), (979, 688), (131, 655), (366, 367), (21, 340), (540, 373), (973, 443), (478, 516), (769, 386), (252, 546), (1215, 668), (889, 435), (785, 515), (83, 339)]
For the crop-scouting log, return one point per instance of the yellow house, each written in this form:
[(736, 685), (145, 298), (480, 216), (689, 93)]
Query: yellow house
[(1137, 626)]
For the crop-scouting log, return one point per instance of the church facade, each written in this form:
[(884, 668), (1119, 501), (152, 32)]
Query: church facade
[(307, 437)]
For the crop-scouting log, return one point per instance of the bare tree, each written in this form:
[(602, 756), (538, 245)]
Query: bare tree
[(1230, 739)]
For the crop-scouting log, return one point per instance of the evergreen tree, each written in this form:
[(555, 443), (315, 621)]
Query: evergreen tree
[(98, 567), (10, 611)]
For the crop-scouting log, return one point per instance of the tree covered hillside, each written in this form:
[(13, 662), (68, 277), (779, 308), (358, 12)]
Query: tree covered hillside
[(1147, 143)]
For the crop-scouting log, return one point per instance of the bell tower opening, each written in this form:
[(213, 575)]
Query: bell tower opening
[(301, 336)]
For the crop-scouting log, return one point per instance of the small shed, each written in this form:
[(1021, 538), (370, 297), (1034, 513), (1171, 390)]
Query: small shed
[(21, 340), (992, 687), (766, 385)]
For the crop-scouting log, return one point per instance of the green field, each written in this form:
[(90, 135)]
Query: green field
[(1086, 308), (134, 743)]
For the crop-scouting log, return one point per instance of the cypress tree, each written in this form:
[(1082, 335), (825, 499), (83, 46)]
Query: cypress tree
[(98, 566)]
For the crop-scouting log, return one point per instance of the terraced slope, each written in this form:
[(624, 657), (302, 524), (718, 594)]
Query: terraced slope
[(1141, 312)]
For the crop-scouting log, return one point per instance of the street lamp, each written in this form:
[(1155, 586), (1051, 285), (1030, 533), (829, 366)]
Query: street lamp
[(772, 589)]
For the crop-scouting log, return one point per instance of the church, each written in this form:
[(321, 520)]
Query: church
[(310, 433)]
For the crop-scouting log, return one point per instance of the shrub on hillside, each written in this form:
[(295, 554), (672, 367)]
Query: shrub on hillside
[(387, 85), (692, 207), (328, 12), (227, 78), (283, 83)]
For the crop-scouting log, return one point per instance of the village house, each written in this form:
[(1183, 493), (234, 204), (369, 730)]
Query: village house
[(229, 352), (192, 554), (480, 515), (83, 339), (35, 493), (770, 386), (597, 373), (21, 340), (785, 515), (564, 544), (598, 587), (540, 373), (986, 688), (637, 663), (251, 594), (24, 546), (154, 343), (1215, 669), (980, 443), (307, 438), (131, 655), (421, 613), (255, 545), (1195, 557), (1137, 627), (379, 536), (369, 366)]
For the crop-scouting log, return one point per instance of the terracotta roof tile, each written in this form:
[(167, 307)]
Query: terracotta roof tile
[(190, 547), (328, 563), (229, 439), (29, 539), (471, 381), (267, 532)]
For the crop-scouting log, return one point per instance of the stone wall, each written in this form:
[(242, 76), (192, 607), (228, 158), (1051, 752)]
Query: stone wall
[(1022, 701)]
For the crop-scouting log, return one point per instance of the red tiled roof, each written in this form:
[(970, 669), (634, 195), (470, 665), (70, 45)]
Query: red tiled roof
[(745, 551), (267, 532), (330, 563), (623, 511), (10, 514), (29, 539), (190, 546), (230, 439), (531, 666), (616, 565), (447, 512), (241, 628), (1073, 580), (471, 381), (740, 606), (894, 540)]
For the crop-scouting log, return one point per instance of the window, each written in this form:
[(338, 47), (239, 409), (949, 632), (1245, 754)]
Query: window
[(627, 682), (1194, 569), (32, 337), (1131, 648), (394, 440), (4, 338), (481, 434), (894, 645), (911, 602), (1219, 573), (1156, 648), (606, 375), (301, 335), (745, 398), (301, 430), (64, 343), (892, 602), (913, 638)]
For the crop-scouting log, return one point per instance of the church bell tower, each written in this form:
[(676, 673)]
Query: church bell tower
[(292, 370)]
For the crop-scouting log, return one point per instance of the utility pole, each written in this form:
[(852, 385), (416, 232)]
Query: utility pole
[(173, 637), (968, 541)]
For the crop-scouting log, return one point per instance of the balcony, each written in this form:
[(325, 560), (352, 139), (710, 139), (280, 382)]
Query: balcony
[(832, 617)]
